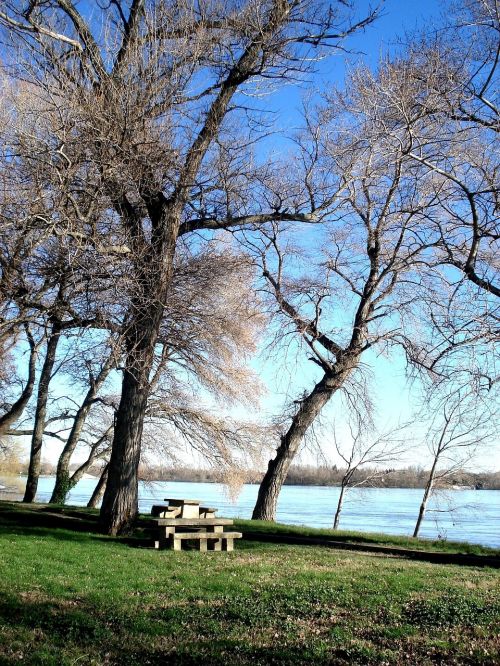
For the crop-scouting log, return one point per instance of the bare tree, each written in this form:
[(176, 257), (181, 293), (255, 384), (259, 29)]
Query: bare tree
[(463, 422), (141, 107), (64, 481), (361, 452), (367, 281), (12, 411)]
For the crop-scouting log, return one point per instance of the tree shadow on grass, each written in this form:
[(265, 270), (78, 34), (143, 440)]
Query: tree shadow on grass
[(74, 524), (57, 632), (65, 523), (73, 630)]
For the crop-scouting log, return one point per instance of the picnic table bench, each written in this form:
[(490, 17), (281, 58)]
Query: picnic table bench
[(185, 520)]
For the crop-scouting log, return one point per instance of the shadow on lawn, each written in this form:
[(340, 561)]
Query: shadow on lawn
[(68, 524), (55, 632), (74, 524)]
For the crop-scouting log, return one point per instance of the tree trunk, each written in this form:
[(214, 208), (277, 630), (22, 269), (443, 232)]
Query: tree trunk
[(270, 487), (64, 482), (339, 507), (120, 502), (427, 493), (96, 497), (41, 414)]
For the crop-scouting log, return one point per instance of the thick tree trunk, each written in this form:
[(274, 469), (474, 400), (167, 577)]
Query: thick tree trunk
[(98, 493), (41, 415), (425, 499), (120, 502), (270, 487), (64, 482)]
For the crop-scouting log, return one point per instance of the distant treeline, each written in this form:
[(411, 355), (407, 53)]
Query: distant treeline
[(408, 477), (308, 475)]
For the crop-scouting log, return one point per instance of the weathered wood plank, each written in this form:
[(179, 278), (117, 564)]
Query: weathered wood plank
[(206, 535), (216, 541), (202, 522), (161, 511)]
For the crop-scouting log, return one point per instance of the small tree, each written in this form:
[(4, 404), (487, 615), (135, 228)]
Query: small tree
[(361, 452), (462, 424)]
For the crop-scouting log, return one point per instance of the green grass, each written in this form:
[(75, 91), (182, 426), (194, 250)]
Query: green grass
[(427, 545), (69, 595)]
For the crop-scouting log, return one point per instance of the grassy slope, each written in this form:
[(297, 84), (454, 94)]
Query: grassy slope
[(70, 595)]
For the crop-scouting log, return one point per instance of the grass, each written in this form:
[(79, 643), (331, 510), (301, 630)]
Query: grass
[(69, 595), (427, 545)]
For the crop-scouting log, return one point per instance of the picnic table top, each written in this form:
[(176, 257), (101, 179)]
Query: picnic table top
[(171, 522)]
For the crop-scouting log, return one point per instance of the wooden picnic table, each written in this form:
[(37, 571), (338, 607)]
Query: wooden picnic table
[(175, 520)]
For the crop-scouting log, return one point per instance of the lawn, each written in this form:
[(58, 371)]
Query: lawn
[(72, 596)]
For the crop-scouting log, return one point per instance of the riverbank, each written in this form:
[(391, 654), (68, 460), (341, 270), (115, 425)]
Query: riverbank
[(92, 599), (460, 515)]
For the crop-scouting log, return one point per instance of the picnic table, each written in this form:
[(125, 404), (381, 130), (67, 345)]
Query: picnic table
[(185, 520)]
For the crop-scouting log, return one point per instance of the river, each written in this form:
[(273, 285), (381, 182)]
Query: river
[(460, 515)]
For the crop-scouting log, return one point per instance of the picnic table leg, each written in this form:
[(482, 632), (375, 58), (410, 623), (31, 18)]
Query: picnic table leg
[(203, 545), (228, 545), (176, 544), (164, 536), (216, 544)]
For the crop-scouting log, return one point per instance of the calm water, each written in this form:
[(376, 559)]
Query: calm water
[(461, 515)]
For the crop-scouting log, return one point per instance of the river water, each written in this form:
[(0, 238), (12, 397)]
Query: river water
[(460, 515)]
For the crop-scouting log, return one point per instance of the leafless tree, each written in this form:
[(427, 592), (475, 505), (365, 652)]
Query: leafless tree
[(13, 410), (210, 328), (64, 480), (362, 451), (356, 296), (463, 422)]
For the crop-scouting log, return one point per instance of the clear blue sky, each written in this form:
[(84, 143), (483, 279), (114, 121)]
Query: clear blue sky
[(397, 19)]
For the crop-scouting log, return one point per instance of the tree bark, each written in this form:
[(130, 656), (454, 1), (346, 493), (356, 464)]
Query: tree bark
[(41, 414), (120, 502), (310, 407), (96, 496), (339, 507), (428, 489)]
